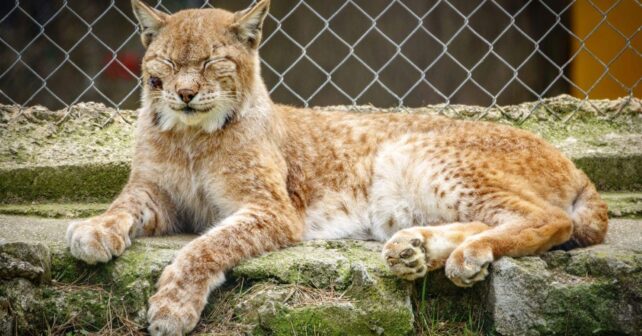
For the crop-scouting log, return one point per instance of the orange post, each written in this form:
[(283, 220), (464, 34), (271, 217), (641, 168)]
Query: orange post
[(601, 62)]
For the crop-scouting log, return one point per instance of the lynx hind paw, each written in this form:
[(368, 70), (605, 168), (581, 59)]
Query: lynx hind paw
[(95, 240), (405, 254), (467, 266)]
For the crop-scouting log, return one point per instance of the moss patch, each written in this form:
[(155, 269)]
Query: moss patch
[(624, 205), (87, 133), (607, 150), (613, 173), (354, 293), (591, 291), (54, 210), (88, 183), (58, 308), (332, 320), (106, 298)]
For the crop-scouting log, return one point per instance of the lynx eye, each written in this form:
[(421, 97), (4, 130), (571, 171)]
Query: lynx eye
[(169, 62), (155, 82), (212, 61), (159, 68)]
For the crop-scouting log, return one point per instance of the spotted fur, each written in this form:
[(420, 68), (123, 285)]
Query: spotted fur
[(252, 176)]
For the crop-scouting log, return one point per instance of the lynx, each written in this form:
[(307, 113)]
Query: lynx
[(214, 155)]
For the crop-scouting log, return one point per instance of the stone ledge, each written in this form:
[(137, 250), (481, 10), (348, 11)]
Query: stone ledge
[(334, 287), (47, 157), (582, 292)]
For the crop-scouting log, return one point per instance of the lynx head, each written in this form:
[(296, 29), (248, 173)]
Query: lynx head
[(200, 64)]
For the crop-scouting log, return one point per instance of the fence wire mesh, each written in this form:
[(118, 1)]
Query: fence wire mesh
[(335, 52)]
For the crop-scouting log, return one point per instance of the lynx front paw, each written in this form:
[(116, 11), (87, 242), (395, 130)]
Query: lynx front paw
[(167, 317), (468, 264), (405, 254), (97, 239), (176, 307)]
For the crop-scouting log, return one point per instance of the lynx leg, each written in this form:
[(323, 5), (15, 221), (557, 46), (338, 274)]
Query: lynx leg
[(198, 268), (141, 209), (413, 252), (530, 234)]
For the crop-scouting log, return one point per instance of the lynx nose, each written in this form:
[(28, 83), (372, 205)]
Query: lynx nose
[(186, 95)]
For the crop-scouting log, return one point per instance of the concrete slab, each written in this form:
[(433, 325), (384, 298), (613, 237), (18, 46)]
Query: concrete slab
[(52, 231), (621, 205), (625, 233)]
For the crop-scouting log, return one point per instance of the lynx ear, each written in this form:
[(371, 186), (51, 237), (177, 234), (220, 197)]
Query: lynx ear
[(150, 20), (249, 22)]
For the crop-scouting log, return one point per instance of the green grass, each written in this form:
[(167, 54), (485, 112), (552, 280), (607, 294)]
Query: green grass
[(437, 315)]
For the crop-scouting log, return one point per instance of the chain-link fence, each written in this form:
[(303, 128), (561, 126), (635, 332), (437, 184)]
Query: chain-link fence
[(330, 52)]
